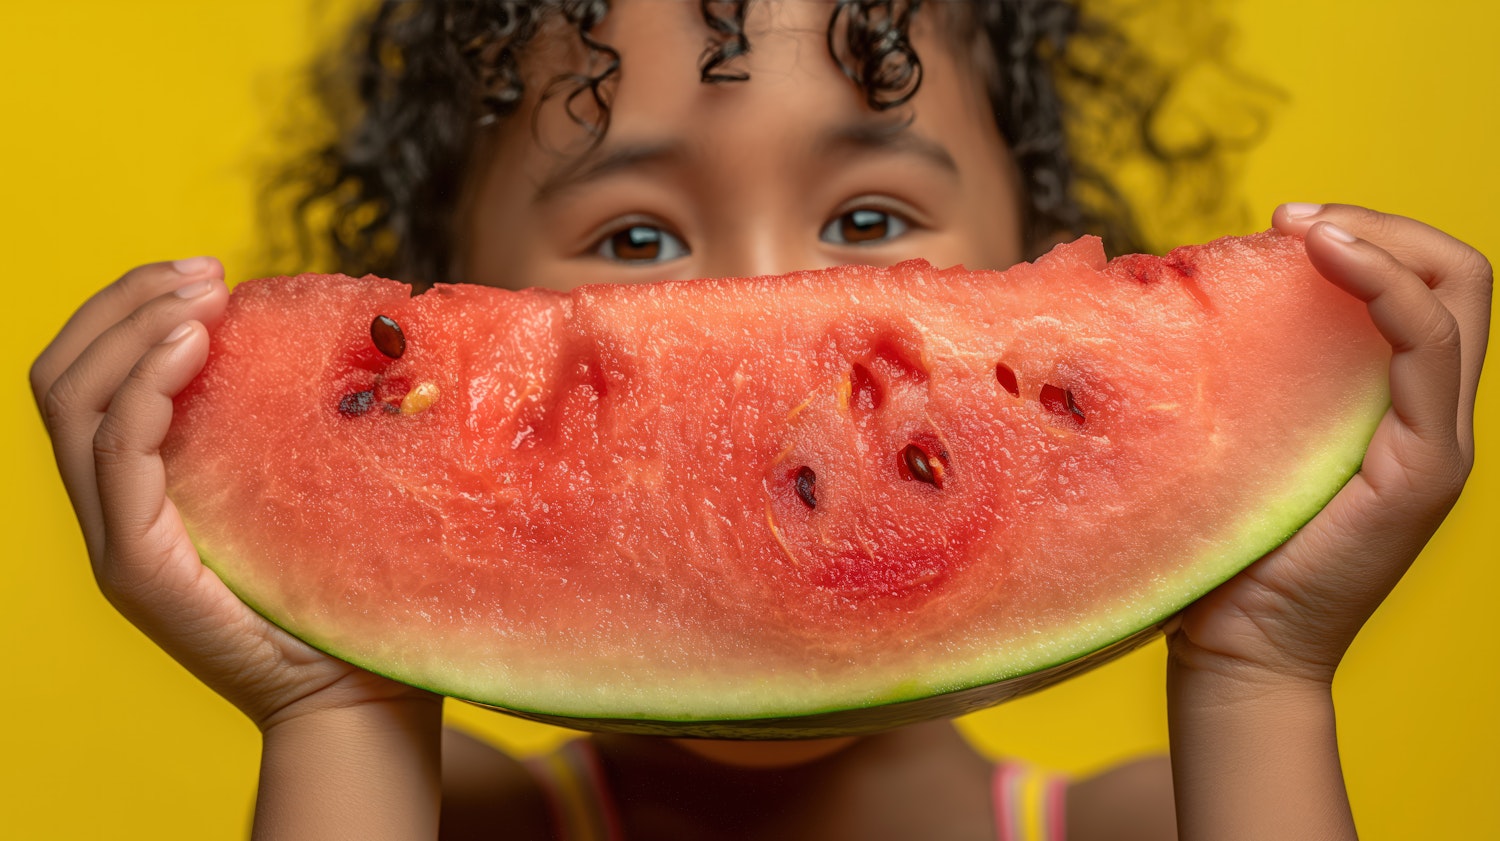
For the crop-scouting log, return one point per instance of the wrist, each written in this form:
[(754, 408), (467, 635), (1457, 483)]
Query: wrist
[(334, 699), (384, 722), (1241, 665), (1221, 683), (312, 715), (1247, 695)]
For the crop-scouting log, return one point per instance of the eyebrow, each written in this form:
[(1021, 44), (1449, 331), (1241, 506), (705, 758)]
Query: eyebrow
[(600, 162), (885, 136), (859, 136)]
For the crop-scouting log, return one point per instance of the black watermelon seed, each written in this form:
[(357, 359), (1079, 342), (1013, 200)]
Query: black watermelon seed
[(387, 336), (356, 404), (921, 467), (804, 481)]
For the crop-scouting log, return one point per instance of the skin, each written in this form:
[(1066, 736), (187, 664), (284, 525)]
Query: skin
[(689, 161), (349, 754)]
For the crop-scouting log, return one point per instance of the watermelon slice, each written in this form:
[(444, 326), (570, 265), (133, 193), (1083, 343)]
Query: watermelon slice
[(827, 502)]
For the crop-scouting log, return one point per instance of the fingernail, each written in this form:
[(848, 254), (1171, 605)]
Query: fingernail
[(193, 290), (182, 330), (1339, 233), (1300, 209), (193, 265)]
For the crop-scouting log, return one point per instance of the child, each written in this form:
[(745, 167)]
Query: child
[(791, 168)]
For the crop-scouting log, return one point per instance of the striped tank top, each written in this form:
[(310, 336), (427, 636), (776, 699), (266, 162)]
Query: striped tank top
[(1028, 802)]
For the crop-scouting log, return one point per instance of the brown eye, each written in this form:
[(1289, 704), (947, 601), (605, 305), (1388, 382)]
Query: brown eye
[(641, 244), (864, 226)]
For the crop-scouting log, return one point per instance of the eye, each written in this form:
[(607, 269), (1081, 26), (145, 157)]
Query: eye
[(863, 226), (641, 244)]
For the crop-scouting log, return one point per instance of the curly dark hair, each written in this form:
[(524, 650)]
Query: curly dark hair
[(409, 95)]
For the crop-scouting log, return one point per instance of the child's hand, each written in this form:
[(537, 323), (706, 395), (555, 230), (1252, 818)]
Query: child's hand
[(1293, 613), (105, 388)]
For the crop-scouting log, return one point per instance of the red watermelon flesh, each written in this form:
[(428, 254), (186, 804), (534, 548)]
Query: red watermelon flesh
[(823, 502)]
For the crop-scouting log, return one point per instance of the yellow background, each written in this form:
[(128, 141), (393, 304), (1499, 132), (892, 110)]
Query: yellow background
[(132, 132)]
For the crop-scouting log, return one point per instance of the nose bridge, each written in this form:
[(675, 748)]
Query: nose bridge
[(773, 248), (766, 236)]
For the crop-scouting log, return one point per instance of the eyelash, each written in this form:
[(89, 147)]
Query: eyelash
[(661, 238), (837, 230)]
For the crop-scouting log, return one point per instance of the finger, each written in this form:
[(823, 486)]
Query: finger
[(108, 306), (1436, 257), (77, 399), (1422, 332), (97, 369), (146, 538), (1460, 275)]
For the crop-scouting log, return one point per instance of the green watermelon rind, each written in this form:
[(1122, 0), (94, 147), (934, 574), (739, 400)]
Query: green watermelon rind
[(960, 688)]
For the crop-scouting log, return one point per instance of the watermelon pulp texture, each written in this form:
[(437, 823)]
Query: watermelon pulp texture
[(818, 503)]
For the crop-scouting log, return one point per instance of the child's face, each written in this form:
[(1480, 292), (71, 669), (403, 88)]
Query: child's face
[(790, 170)]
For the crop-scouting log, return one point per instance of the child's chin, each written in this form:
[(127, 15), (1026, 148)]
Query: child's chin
[(769, 754)]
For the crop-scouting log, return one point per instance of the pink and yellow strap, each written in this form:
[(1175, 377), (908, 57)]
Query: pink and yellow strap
[(1029, 803)]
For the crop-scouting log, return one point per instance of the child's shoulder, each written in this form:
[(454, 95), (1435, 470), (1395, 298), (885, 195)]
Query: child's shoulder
[(1128, 802)]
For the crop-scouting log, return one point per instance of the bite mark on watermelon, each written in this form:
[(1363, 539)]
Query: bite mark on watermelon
[(822, 503)]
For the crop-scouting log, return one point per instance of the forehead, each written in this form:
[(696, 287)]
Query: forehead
[(646, 59)]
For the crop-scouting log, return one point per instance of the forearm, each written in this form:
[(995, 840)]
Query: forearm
[(1255, 762), (365, 772)]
